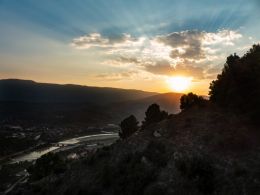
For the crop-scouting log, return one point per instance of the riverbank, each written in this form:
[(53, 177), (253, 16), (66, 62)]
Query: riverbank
[(44, 148), (13, 170)]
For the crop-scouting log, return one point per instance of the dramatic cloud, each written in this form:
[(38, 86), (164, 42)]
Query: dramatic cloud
[(126, 75), (121, 61), (192, 44), (186, 44), (190, 71), (88, 41), (128, 59), (183, 69), (117, 76), (189, 53), (225, 37), (97, 40), (161, 67)]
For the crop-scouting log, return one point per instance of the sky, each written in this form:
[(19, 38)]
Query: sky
[(137, 44)]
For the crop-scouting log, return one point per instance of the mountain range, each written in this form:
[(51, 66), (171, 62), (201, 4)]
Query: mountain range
[(45, 102)]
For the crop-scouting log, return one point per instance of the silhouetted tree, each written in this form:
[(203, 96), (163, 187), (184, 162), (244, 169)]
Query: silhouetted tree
[(153, 115), (128, 126), (190, 100), (237, 88)]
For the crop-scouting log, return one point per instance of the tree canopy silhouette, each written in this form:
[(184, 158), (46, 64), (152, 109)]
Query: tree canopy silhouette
[(128, 126), (153, 115), (189, 100), (238, 86)]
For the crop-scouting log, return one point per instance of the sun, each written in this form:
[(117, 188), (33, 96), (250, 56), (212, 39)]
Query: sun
[(179, 83)]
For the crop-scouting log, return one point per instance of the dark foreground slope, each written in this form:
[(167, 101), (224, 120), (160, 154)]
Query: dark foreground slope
[(199, 151)]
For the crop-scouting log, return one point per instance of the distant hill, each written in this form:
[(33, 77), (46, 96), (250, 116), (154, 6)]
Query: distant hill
[(29, 101), (30, 91), (73, 113)]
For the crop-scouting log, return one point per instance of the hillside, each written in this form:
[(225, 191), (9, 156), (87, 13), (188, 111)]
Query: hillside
[(201, 150)]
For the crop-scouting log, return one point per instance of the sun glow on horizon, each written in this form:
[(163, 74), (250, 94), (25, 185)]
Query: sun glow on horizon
[(179, 83)]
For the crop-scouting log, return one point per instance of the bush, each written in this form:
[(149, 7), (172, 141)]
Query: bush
[(46, 165), (129, 176), (156, 153), (189, 100), (197, 171), (128, 127)]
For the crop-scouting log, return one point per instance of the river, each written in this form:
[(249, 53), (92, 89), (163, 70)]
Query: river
[(66, 144)]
